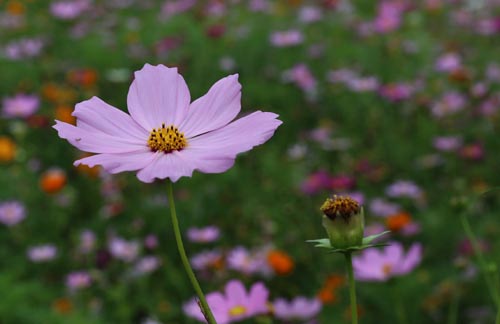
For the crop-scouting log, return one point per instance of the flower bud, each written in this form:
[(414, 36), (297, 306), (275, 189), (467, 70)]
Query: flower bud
[(344, 221)]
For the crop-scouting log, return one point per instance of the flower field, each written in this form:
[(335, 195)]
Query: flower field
[(267, 122)]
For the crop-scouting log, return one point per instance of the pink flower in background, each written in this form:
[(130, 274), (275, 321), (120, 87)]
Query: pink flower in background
[(302, 77), (123, 250), (286, 38), (146, 265), (383, 208), (68, 10), (20, 105), (315, 182), (203, 235), (206, 260), (78, 280), (450, 103), (234, 305), (380, 265), (87, 241), (366, 84), (165, 136), (174, 7), (447, 143), (448, 62), (23, 48), (249, 262), (388, 16), (396, 91), (309, 14), (42, 253), (404, 188), (11, 213), (341, 76), (300, 308)]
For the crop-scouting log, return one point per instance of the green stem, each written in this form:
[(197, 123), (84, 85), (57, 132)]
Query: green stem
[(187, 267), (453, 311), (400, 309), (498, 316), (480, 258), (352, 288)]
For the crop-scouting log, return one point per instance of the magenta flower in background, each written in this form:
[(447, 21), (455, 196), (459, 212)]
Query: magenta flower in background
[(23, 48), (166, 136), (20, 105), (450, 103), (380, 265), (42, 253), (78, 280), (301, 75), (234, 305), (315, 182), (388, 16), (396, 91), (300, 308), (447, 143), (448, 62), (11, 213), (383, 208), (203, 235)]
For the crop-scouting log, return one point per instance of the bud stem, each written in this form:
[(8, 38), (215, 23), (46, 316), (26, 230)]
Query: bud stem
[(352, 288), (180, 246)]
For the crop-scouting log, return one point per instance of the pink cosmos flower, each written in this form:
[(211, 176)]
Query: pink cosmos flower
[(20, 105), (203, 235), (166, 136), (42, 253), (286, 38), (11, 213), (78, 279), (380, 265), (234, 305), (299, 308)]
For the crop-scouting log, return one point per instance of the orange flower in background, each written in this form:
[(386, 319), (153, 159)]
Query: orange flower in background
[(63, 113), (327, 293), (53, 180), (62, 306), (281, 262), (15, 8), (85, 169), (58, 94), (83, 77), (7, 149), (398, 221)]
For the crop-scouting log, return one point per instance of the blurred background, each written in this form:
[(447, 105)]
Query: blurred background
[(395, 103)]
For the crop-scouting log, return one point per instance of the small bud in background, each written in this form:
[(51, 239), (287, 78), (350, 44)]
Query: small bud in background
[(344, 221)]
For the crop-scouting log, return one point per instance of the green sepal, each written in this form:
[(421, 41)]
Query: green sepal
[(325, 244)]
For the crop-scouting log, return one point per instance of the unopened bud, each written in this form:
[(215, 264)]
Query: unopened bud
[(344, 221)]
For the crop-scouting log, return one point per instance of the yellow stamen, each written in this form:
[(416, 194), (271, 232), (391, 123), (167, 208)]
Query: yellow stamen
[(166, 139), (237, 310), (387, 269), (340, 206)]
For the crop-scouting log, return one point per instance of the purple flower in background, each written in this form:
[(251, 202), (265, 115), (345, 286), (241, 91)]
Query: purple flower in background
[(341, 76), (206, 260), (315, 182), (146, 265), (87, 241), (383, 208), (388, 16), (380, 265), (366, 84), (42, 253), (449, 103), (448, 62), (404, 188), (249, 262), (234, 305), (174, 7), (286, 38), (302, 77), (11, 212), (447, 143), (23, 48), (165, 136), (68, 10), (300, 308), (203, 235), (78, 280), (396, 91), (151, 242), (123, 250), (20, 105), (309, 14)]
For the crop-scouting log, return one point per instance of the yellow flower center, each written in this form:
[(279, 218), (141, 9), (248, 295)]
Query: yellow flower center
[(340, 206), (387, 269), (237, 310), (166, 139)]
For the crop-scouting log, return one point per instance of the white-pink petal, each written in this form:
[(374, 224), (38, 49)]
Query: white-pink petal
[(220, 105), (115, 163), (170, 165), (158, 95), (238, 136)]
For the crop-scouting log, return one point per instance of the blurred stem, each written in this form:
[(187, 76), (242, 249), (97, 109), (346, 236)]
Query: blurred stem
[(480, 258), (398, 301), (352, 288), (453, 312), (187, 267)]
